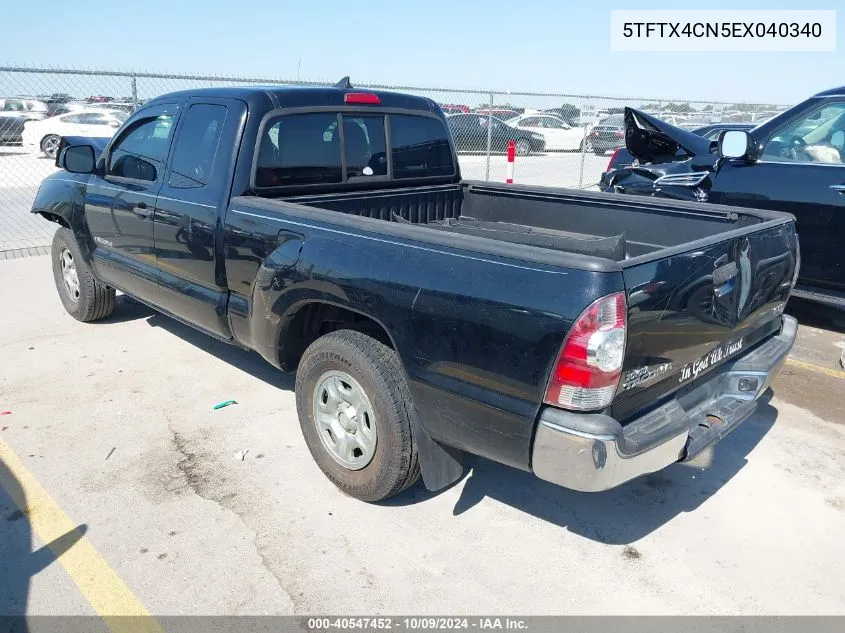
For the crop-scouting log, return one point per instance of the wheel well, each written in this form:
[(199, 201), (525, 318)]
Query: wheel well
[(314, 320), (54, 218)]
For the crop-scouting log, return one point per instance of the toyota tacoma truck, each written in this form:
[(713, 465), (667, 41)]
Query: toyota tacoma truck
[(588, 338)]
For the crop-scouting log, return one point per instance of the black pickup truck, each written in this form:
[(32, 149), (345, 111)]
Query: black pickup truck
[(586, 337), (794, 163)]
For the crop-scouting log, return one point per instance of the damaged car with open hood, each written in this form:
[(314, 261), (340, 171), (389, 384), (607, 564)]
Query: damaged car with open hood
[(794, 162)]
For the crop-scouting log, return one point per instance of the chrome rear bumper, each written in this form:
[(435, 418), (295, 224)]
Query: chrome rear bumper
[(593, 452)]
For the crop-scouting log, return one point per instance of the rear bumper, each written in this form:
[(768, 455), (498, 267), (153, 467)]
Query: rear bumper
[(593, 452)]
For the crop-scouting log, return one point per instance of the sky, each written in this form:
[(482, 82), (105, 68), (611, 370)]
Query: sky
[(536, 45)]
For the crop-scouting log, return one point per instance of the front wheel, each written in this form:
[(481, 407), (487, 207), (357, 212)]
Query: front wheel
[(355, 411), (523, 148), (84, 296), (50, 145)]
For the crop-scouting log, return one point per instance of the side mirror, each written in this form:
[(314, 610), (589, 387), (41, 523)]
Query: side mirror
[(78, 159), (735, 144)]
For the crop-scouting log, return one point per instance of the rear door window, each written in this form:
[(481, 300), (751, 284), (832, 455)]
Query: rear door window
[(196, 146), (419, 147)]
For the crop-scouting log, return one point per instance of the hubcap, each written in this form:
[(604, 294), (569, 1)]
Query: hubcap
[(51, 145), (69, 275), (344, 419)]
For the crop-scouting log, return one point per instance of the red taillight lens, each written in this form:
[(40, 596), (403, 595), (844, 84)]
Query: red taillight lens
[(367, 98), (619, 134), (587, 370), (612, 158)]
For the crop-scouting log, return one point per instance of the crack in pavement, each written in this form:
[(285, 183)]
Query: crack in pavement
[(190, 466)]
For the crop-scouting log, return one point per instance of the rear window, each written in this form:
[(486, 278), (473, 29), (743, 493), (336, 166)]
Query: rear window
[(305, 149)]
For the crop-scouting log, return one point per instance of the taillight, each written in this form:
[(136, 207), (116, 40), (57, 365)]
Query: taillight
[(367, 98), (619, 134), (587, 370), (612, 158)]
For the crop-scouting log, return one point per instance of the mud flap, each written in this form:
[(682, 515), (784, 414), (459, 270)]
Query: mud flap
[(440, 465)]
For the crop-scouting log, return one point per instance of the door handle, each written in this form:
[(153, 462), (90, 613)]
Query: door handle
[(837, 188), (142, 211)]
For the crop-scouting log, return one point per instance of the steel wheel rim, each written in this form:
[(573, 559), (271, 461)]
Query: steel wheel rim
[(344, 419), (69, 274), (523, 148), (50, 145)]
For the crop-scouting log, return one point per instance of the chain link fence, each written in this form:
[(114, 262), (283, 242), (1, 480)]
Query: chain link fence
[(563, 140)]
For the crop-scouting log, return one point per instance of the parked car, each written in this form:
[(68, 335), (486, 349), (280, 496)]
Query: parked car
[(500, 113), (452, 108), (26, 109), (65, 107), (558, 134), (711, 132), (623, 158), (124, 106), (607, 135), (43, 137), (570, 115), (469, 132), (11, 129), (795, 162), (583, 337)]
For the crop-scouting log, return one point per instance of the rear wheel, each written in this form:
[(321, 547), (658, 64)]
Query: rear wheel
[(355, 411), (523, 147), (84, 297), (50, 145)]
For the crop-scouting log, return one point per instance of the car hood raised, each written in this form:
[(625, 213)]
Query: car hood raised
[(651, 140)]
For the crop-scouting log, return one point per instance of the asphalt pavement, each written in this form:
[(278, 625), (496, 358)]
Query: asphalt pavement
[(125, 492)]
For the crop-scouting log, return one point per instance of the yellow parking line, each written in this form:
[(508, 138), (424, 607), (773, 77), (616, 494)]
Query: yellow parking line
[(109, 596), (827, 371)]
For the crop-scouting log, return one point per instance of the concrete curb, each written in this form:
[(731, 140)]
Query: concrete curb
[(18, 253)]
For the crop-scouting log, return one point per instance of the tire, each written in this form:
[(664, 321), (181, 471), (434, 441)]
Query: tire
[(88, 299), (50, 145), (523, 147), (585, 146), (392, 465)]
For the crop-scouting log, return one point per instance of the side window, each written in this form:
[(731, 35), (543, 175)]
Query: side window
[(552, 123), (140, 152), (299, 149), (73, 118), (531, 121), (364, 145), (196, 146), (419, 147), (14, 105), (818, 137)]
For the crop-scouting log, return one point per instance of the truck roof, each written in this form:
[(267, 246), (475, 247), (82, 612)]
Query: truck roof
[(273, 97), (833, 92)]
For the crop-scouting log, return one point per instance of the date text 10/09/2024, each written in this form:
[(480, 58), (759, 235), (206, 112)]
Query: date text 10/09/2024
[(416, 623)]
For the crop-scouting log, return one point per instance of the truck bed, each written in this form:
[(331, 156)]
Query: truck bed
[(578, 222)]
